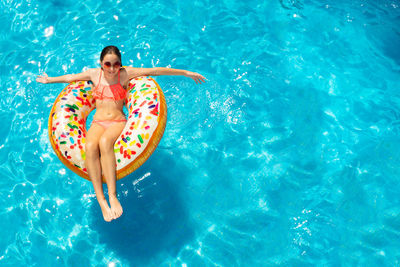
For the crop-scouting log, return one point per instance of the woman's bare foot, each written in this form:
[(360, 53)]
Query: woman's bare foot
[(116, 208), (105, 209)]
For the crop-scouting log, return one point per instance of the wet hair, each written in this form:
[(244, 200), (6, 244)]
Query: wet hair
[(110, 50)]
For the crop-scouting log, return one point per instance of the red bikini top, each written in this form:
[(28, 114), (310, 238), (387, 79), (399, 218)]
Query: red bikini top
[(109, 92)]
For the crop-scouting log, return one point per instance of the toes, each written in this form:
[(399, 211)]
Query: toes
[(107, 218), (117, 213), (114, 214)]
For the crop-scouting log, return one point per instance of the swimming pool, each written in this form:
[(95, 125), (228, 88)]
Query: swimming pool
[(287, 155)]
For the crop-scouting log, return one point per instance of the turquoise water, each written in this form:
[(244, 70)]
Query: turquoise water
[(288, 154)]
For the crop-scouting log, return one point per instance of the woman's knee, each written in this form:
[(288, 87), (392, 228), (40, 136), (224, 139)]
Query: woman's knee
[(105, 144), (92, 148)]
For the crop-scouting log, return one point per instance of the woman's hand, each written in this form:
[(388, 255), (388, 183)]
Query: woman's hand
[(198, 78), (42, 79)]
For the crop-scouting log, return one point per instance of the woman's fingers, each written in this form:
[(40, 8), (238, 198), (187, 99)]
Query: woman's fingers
[(42, 78), (198, 78), (202, 78)]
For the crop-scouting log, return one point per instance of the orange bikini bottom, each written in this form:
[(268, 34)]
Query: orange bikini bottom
[(107, 123)]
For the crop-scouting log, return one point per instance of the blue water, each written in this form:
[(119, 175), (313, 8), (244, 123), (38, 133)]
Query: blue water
[(288, 155)]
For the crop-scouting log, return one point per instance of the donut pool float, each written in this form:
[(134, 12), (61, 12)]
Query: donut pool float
[(147, 117)]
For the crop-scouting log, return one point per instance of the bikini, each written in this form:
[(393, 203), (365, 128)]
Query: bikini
[(113, 92)]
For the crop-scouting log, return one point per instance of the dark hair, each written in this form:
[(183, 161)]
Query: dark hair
[(110, 50)]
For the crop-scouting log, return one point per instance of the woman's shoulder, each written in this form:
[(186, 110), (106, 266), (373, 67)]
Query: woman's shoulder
[(124, 76), (124, 72), (128, 69), (124, 69), (93, 71)]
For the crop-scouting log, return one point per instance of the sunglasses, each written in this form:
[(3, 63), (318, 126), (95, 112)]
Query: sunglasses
[(108, 64)]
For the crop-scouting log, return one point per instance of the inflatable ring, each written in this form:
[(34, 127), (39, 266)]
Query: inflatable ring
[(142, 133)]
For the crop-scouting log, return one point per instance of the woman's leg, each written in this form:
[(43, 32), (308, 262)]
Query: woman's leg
[(108, 164), (93, 166)]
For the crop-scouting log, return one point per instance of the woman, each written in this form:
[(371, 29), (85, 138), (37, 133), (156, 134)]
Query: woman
[(110, 83)]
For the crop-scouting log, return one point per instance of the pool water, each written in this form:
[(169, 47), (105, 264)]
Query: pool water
[(288, 155)]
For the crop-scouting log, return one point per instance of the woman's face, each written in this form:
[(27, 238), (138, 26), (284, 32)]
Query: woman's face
[(111, 64)]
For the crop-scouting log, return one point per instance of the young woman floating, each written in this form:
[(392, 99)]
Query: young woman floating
[(110, 83)]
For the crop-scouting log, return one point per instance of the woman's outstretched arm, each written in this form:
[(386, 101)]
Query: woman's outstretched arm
[(135, 72), (84, 76)]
